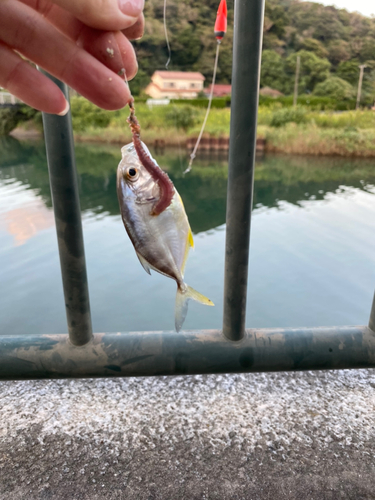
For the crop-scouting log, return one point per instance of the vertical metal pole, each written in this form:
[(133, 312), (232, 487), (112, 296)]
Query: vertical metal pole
[(371, 323), (295, 96), (64, 188), (247, 45)]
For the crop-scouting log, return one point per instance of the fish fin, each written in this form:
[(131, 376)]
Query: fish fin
[(144, 263), (190, 237), (190, 234), (185, 260), (182, 299), (189, 244)]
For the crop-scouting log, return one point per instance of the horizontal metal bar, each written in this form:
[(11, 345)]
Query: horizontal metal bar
[(191, 352)]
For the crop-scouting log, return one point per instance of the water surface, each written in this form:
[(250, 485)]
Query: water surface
[(312, 243)]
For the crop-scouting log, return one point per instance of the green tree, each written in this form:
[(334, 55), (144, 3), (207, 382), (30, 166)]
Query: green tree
[(368, 49), (12, 116), (289, 26), (272, 71), (139, 82), (187, 47), (313, 45), (349, 71), (183, 117), (277, 17), (313, 70), (275, 25), (338, 51), (323, 23), (335, 87), (86, 114)]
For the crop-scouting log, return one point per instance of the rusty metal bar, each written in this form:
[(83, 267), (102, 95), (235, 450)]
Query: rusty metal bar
[(195, 352), (247, 45), (65, 196)]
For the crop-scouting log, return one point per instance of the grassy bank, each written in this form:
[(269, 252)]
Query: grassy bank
[(286, 130), (311, 140), (173, 124)]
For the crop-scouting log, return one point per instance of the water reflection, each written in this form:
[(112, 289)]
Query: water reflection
[(277, 178), (28, 220), (312, 257)]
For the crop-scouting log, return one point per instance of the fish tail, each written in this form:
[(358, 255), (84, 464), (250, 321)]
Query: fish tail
[(183, 295)]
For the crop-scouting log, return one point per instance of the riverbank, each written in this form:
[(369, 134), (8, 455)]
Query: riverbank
[(290, 139), (297, 131), (293, 139), (312, 140)]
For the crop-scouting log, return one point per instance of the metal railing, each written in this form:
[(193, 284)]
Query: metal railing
[(232, 349)]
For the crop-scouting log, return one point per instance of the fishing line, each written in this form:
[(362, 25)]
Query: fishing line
[(166, 34), (166, 67), (193, 154), (126, 80), (219, 30)]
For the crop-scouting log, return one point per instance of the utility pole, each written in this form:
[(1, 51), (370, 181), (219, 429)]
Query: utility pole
[(361, 68), (296, 81)]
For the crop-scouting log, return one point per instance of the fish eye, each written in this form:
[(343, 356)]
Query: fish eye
[(132, 174)]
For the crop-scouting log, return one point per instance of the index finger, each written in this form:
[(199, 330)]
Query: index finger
[(109, 15), (135, 32), (60, 56)]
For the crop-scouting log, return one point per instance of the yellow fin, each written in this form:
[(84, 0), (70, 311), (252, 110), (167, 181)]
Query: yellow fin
[(181, 306), (190, 238), (185, 259), (190, 235), (189, 243), (194, 295)]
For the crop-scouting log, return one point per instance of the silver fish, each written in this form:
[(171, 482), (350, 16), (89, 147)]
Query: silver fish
[(162, 241)]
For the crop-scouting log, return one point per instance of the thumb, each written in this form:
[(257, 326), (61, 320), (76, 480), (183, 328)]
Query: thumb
[(109, 15)]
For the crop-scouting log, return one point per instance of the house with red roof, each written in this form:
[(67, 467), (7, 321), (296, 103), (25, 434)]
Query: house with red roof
[(220, 89), (175, 85)]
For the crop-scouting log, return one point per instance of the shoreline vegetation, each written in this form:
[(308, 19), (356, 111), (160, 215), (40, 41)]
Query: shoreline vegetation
[(330, 44), (299, 130), (290, 130)]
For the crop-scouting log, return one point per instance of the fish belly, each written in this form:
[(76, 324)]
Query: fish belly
[(161, 240)]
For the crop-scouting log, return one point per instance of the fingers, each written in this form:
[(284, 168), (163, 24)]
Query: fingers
[(136, 31), (109, 15), (28, 84), (39, 41), (113, 50), (69, 24)]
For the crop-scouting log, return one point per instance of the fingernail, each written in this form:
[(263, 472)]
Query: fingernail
[(131, 8), (65, 111)]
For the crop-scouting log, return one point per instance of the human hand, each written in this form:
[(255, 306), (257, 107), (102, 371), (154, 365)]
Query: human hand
[(85, 43)]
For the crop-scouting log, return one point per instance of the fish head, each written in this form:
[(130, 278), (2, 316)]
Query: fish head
[(134, 182)]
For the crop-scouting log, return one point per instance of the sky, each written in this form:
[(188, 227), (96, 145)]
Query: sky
[(365, 7)]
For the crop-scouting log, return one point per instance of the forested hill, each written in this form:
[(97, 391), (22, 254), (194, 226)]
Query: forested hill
[(330, 41)]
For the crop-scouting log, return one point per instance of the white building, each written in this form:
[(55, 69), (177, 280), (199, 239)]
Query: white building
[(175, 84)]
